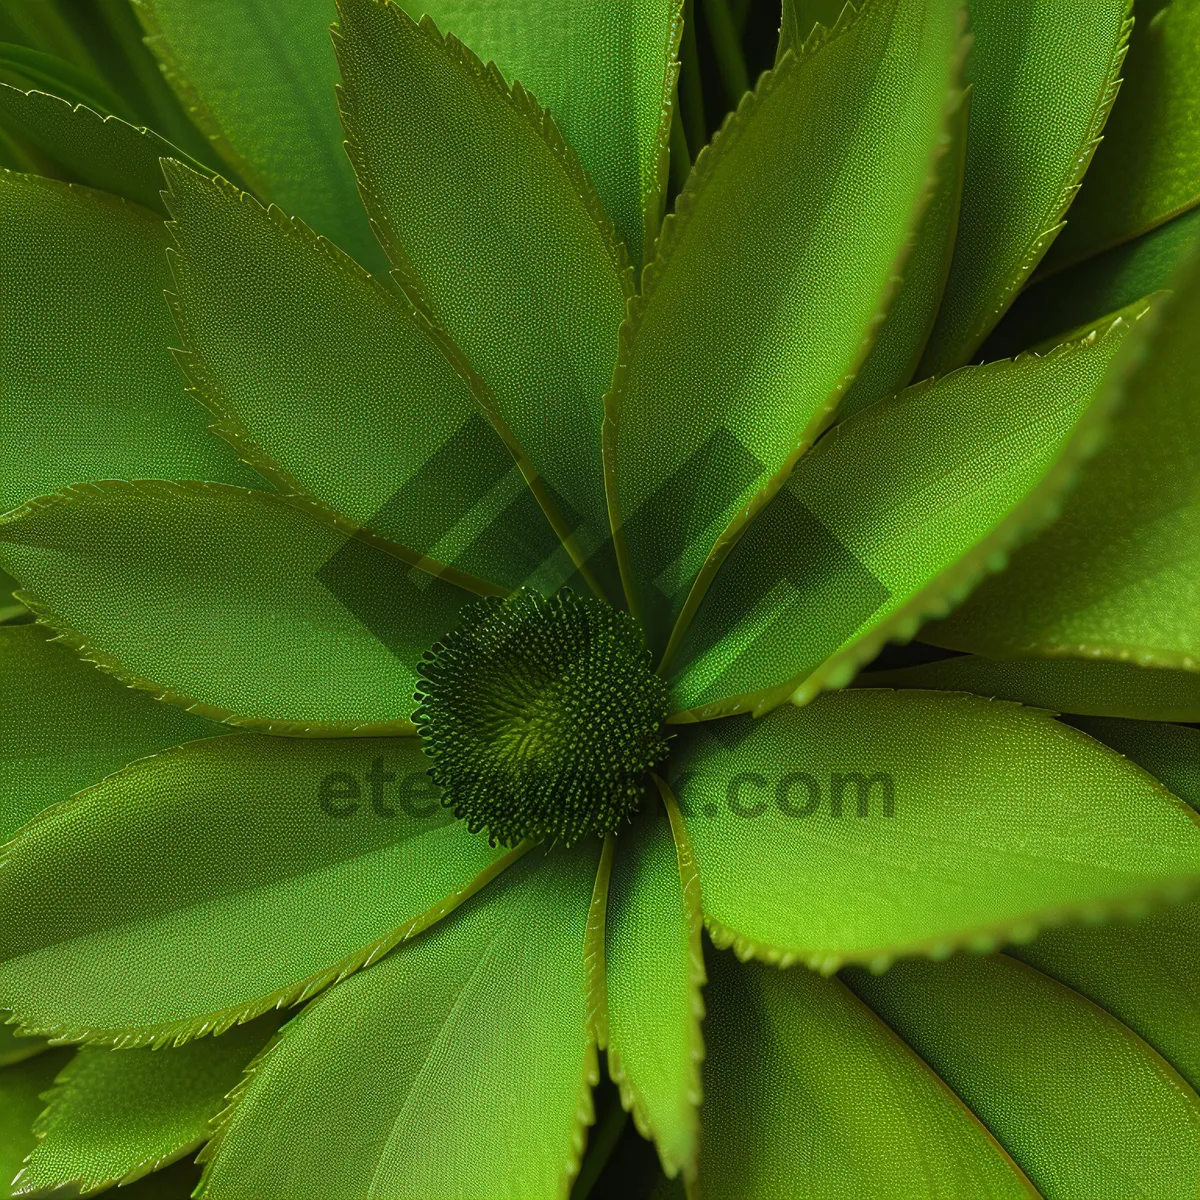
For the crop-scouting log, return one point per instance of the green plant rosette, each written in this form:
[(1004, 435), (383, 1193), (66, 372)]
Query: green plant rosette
[(455, 736)]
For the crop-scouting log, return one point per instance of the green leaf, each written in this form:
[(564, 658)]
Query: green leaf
[(88, 389), (1171, 753), (26, 67), (652, 1033), (333, 388), (872, 824), (1147, 169), (1083, 1105), (1102, 689), (115, 1116), (1044, 76), (21, 1102), (198, 888), (65, 725), (808, 1093), (102, 152), (909, 322), (460, 1065), (497, 235), (15, 1048), (733, 357), (833, 568), (259, 81), (1118, 574), (606, 72), (1102, 284), (1145, 973), (238, 605)]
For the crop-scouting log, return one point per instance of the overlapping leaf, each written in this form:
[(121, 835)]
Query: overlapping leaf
[(1044, 76), (236, 604), (498, 236), (872, 824), (458, 1066), (115, 1116), (810, 1094), (605, 71), (88, 388), (894, 516), (21, 1089), (734, 358), (1084, 1106), (259, 81), (209, 883), (1118, 574)]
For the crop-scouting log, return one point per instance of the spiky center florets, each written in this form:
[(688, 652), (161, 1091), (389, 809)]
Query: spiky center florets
[(542, 717)]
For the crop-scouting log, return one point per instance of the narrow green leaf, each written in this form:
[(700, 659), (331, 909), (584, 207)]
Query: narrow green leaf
[(832, 569), (102, 152), (15, 1048), (808, 1093), (1118, 574), (606, 72), (909, 321), (497, 235), (26, 67), (225, 877), (65, 725), (237, 605), (735, 355), (1145, 973), (459, 1066), (1084, 1106), (115, 1116), (652, 1033), (1044, 75), (1101, 689), (21, 1103), (872, 824), (335, 389), (88, 389), (259, 81), (1103, 284), (1147, 169)]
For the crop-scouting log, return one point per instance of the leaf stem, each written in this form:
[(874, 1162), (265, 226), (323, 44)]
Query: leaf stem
[(727, 49), (607, 1134), (681, 155), (740, 11), (691, 96)]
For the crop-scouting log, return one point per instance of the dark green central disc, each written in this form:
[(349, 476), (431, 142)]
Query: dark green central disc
[(542, 718)]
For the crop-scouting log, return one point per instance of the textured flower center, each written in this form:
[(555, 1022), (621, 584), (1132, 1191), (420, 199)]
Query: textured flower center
[(542, 718)]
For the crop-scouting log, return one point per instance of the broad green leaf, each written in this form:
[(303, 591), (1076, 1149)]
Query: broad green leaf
[(88, 389), (65, 725), (102, 152), (893, 517), (21, 1103), (259, 80), (1118, 574), (1145, 973), (1171, 753), (1102, 284), (1044, 76), (117, 1115), (1147, 169), (238, 605), (733, 357), (652, 1033), (606, 71), (872, 824), (459, 1066), (1066, 685), (1084, 1106), (808, 1093), (497, 235), (335, 389), (909, 322), (200, 887)]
